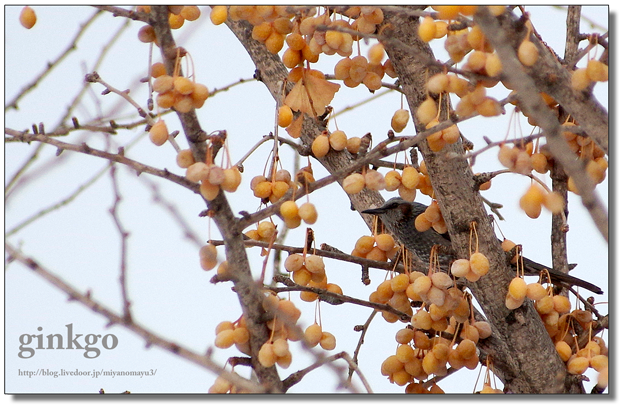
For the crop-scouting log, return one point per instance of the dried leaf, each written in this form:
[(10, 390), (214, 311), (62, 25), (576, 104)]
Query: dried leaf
[(311, 95), (294, 129), (320, 91), (298, 99)]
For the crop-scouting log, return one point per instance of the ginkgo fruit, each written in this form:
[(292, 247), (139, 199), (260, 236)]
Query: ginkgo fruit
[(158, 134), (427, 29), (308, 213), (527, 53), (399, 120), (27, 17)]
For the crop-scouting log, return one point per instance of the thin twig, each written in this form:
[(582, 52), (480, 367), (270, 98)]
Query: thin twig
[(124, 235), (51, 65), (85, 149), (151, 338)]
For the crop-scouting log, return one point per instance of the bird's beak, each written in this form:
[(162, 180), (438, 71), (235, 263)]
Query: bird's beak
[(377, 211)]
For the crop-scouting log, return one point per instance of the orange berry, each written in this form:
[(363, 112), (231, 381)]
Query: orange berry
[(218, 15), (427, 29), (285, 116), (597, 71), (527, 53), (580, 79), (159, 133), (399, 120), (27, 17)]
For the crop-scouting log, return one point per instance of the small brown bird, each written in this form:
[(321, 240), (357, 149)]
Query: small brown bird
[(399, 215)]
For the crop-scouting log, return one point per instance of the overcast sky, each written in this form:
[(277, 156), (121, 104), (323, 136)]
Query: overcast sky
[(170, 294)]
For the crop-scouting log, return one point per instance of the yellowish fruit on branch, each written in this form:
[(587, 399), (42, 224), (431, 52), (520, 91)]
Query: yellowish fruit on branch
[(219, 14), (208, 256), (158, 134), (320, 146), (531, 202), (580, 79), (427, 29), (597, 71), (313, 335), (527, 53), (354, 183), (460, 267), (308, 213), (285, 116), (517, 288), (27, 17), (208, 190), (232, 179), (479, 263), (427, 111), (400, 120)]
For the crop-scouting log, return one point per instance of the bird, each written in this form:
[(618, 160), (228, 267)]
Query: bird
[(398, 216)]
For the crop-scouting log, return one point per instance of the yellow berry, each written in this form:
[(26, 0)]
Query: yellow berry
[(489, 107), (597, 71), (438, 83), (289, 209), (517, 288), (224, 339), (183, 104), (532, 200), (158, 134), (577, 365), (399, 120), (535, 291), (328, 341), (320, 146), (263, 190), (313, 335), (422, 223), (183, 85), (399, 283), (512, 303), (527, 53), (392, 180), (185, 158), (197, 172), (460, 267), (561, 304), (27, 17), (427, 29), (493, 65), (338, 140), (447, 12), (274, 42), (208, 190), (580, 79), (374, 180), (308, 213), (285, 116), (218, 15), (479, 263), (266, 356), (266, 229), (353, 183), (190, 13), (410, 177), (563, 350), (199, 94), (427, 111), (176, 21), (376, 54), (232, 179)]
